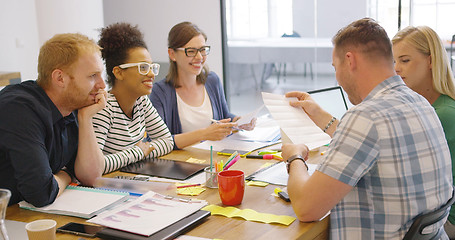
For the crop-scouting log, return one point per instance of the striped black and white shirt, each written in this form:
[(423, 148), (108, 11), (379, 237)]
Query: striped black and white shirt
[(117, 134)]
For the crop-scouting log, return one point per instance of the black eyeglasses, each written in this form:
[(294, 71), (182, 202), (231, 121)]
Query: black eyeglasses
[(191, 52)]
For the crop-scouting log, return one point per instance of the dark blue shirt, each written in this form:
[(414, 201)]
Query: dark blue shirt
[(31, 146), (164, 99)]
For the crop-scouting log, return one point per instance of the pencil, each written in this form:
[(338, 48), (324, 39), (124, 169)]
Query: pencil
[(190, 185)]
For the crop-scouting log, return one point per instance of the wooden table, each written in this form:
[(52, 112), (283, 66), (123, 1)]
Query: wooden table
[(256, 198)]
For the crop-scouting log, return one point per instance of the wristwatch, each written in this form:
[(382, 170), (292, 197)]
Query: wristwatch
[(295, 157)]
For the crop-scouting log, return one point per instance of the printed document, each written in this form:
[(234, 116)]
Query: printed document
[(294, 122)]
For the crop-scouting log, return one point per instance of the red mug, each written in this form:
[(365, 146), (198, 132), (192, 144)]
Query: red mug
[(231, 186)]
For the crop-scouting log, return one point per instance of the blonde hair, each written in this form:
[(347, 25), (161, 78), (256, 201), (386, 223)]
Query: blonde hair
[(61, 52), (427, 41)]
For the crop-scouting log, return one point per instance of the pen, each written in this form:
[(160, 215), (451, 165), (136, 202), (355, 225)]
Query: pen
[(211, 158), (235, 128), (190, 185)]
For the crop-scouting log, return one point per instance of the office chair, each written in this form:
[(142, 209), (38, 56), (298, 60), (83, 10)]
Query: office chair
[(422, 221)]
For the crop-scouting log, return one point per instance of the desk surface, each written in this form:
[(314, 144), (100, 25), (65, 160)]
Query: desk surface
[(256, 198)]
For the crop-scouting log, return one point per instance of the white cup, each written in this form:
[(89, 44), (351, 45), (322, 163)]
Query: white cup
[(43, 229)]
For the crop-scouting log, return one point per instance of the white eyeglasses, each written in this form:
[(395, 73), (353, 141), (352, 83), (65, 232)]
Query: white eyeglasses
[(143, 67)]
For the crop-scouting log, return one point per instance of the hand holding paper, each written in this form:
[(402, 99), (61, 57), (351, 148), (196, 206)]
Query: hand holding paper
[(294, 122)]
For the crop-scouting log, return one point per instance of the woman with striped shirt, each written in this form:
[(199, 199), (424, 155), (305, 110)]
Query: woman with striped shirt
[(122, 126)]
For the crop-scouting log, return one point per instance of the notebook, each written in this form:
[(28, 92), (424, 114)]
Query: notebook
[(165, 168), (83, 202), (170, 232)]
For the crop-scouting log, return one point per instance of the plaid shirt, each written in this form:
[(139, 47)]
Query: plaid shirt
[(391, 148)]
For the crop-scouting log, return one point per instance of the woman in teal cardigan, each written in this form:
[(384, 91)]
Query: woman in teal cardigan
[(421, 60)]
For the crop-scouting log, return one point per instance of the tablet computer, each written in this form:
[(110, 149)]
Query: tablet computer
[(165, 168)]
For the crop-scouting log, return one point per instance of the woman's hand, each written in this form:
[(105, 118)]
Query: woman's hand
[(146, 147), (249, 126), (219, 130)]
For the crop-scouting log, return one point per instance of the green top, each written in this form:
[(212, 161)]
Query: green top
[(445, 108)]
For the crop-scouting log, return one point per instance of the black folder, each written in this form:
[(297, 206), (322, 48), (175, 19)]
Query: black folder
[(159, 167), (170, 232)]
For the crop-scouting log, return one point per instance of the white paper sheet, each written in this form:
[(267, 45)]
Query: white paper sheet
[(294, 122), (277, 174), (249, 116)]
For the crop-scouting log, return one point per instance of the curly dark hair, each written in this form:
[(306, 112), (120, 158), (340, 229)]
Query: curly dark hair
[(115, 41)]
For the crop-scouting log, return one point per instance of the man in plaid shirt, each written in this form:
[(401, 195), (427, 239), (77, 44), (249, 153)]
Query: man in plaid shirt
[(388, 160)]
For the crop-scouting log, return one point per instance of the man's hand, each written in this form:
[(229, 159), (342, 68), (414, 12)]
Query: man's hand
[(306, 102), (319, 116), (100, 103), (289, 150)]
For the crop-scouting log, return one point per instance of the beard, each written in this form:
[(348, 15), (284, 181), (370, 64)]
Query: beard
[(75, 97)]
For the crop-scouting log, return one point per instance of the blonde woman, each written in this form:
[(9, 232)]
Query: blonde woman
[(422, 62)]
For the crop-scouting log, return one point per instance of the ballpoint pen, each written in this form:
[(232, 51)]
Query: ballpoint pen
[(235, 128)]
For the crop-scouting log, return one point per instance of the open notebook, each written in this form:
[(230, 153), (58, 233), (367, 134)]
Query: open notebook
[(81, 202)]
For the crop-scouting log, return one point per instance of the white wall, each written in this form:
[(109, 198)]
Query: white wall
[(156, 17), (26, 24), (19, 44), (69, 16)]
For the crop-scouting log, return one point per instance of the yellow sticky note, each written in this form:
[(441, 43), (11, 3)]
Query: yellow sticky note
[(257, 183), (190, 191), (249, 215), (195, 160)]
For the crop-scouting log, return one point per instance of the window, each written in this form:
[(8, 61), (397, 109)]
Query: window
[(436, 14), (254, 19)]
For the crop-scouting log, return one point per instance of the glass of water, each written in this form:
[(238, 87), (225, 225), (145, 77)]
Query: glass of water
[(5, 194)]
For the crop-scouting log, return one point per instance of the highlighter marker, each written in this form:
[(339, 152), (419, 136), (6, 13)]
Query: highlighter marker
[(265, 156)]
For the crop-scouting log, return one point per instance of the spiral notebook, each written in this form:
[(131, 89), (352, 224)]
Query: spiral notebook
[(83, 202)]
